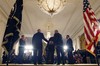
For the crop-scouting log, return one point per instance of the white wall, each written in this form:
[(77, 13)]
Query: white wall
[(76, 42), (2, 29)]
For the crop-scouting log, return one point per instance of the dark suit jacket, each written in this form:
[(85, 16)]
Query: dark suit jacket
[(37, 40), (50, 47), (21, 42), (58, 39), (69, 43)]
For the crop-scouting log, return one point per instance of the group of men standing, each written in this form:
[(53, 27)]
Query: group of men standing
[(55, 42)]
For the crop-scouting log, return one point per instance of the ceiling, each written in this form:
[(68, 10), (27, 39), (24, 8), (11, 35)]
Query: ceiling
[(68, 21)]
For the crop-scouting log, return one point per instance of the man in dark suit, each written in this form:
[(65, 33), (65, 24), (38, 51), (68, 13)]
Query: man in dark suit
[(22, 43), (69, 43), (37, 44), (50, 51), (59, 47)]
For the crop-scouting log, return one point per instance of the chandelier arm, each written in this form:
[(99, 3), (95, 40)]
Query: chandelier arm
[(40, 2), (59, 6), (47, 5), (53, 5), (45, 8), (63, 2), (42, 5)]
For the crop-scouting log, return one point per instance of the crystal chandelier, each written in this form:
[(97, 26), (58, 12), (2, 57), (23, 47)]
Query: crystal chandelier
[(51, 7)]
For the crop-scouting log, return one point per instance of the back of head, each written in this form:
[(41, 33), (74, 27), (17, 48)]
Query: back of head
[(67, 36), (39, 30), (22, 36), (56, 31)]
